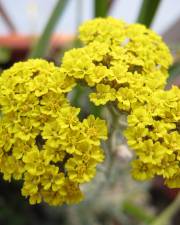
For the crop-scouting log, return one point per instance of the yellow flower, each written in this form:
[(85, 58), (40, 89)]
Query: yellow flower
[(103, 95), (153, 133), (142, 171), (52, 179), (44, 141), (73, 192), (6, 140), (94, 129), (68, 117), (55, 154), (35, 162), (51, 149), (125, 63), (77, 63), (51, 103), (174, 181), (30, 185), (79, 171), (54, 198), (90, 152), (102, 30), (20, 148), (99, 73), (11, 167)]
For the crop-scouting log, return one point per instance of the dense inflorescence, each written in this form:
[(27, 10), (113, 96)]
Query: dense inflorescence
[(154, 134), (123, 62), (127, 65), (42, 141), (45, 144)]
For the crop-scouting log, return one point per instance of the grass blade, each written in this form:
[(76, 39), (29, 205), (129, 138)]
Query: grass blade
[(41, 48), (147, 11), (100, 8)]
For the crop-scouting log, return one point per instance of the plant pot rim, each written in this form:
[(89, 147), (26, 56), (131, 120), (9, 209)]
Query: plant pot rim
[(22, 41)]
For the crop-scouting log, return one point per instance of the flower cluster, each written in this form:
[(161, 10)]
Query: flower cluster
[(127, 64), (42, 140), (123, 62), (44, 143), (154, 134)]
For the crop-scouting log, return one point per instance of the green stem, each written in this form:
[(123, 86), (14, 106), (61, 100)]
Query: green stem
[(110, 155), (41, 48), (148, 11), (165, 217), (100, 8), (111, 143)]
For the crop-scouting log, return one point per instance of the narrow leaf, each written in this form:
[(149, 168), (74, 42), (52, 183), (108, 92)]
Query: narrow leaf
[(100, 8), (147, 11), (41, 48)]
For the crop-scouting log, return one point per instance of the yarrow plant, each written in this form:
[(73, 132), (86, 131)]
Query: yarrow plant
[(123, 63), (127, 67), (154, 133), (45, 144), (42, 140)]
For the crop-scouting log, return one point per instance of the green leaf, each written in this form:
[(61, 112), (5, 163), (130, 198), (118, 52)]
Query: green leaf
[(101, 8), (138, 213), (41, 48), (147, 11)]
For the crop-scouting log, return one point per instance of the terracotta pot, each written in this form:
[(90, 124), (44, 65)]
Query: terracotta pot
[(20, 45)]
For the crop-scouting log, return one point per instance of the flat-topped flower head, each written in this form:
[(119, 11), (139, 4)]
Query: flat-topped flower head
[(139, 42), (123, 63), (41, 135), (100, 29), (154, 134)]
